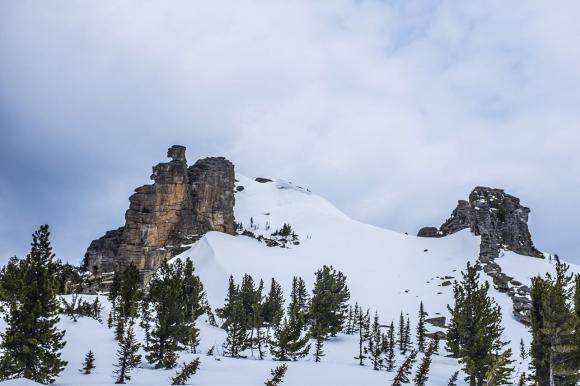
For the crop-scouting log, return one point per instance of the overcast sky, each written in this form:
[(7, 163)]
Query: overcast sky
[(393, 110)]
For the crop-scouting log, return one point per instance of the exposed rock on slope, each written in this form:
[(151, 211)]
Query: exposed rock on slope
[(499, 218), (180, 206)]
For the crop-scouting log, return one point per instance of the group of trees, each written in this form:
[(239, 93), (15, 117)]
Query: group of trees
[(258, 321), (555, 326)]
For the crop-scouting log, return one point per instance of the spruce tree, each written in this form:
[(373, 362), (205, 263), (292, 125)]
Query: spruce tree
[(273, 309), (187, 370), (523, 352), (422, 374), (375, 348), (277, 375), (390, 349), (499, 372), (31, 343), (363, 328), (236, 340), (421, 329), (226, 311), (328, 305), (405, 369), (407, 335), (127, 357), (401, 334), (453, 379), (318, 333), (146, 319), (88, 363), (288, 342), (475, 331), (299, 296)]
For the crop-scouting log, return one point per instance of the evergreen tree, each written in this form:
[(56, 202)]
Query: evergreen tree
[(186, 372), (88, 363), (499, 372), (318, 334), (288, 342), (422, 374), (523, 352), (193, 300), (355, 317), (401, 334), (273, 309), (260, 339), (227, 310), (299, 296), (375, 348), (390, 348), (407, 335), (421, 329), (127, 357), (165, 294), (277, 375), (146, 320), (329, 301), (31, 343), (405, 369), (453, 379), (553, 323), (236, 340), (348, 329), (363, 327), (474, 335)]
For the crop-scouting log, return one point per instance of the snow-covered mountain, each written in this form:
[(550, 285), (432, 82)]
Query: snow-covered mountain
[(386, 271)]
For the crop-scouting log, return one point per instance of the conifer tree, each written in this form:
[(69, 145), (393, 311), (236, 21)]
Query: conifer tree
[(273, 309), (226, 311), (474, 335), (422, 374), (363, 328), (127, 357), (31, 343), (390, 349), (260, 339), (329, 300), (407, 335), (288, 342), (401, 334), (405, 369), (193, 303), (499, 372), (375, 348), (299, 296), (453, 379), (236, 340), (165, 294), (318, 334), (355, 318), (88, 363), (349, 321), (146, 319), (523, 352), (187, 370), (421, 329), (277, 375)]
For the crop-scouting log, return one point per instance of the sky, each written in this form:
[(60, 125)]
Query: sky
[(393, 110)]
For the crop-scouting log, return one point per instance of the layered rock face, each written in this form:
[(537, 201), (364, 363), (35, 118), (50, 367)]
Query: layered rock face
[(499, 218), (180, 206), (502, 223)]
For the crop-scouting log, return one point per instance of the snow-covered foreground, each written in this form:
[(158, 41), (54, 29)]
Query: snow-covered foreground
[(386, 271)]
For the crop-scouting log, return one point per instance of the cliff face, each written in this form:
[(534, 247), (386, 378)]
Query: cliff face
[(499, 218), (181, 205)]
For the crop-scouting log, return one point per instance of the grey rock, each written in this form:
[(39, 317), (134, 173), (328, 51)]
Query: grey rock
[(438, 321), (429, 232), (262, 180)]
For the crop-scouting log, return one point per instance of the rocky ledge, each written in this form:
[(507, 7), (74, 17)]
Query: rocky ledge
[(181, 205)]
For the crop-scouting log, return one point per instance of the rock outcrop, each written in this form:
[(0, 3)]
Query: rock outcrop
[(502, 223), (163, 218), (499, 218)]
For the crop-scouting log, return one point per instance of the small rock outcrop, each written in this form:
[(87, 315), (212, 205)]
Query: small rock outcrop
[(499, 218), (163, 218)]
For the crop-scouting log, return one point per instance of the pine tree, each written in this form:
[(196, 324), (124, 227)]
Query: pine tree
[(236, 340), (31, 343), (453, 379), (523, 352), (474, 335), (187, 370), (390, 349), (375, 348), (401, 335), (499, 372), (355, 317), (193, 300), (299, 296), (422, 374), (146, 320), (127, 357), (363, 327), (165, 294), (407, 335), (88, 363), (318, 334), (421, 329), (273, 309), (277, 375), (348, 329), (329, 301), (226, 311), (405, 369), (288, 342)]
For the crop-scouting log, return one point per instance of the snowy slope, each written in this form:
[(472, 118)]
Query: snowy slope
[(386, 271)]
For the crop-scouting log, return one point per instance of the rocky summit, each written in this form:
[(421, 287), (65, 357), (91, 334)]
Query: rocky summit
[(163, 218), (498, 217)]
